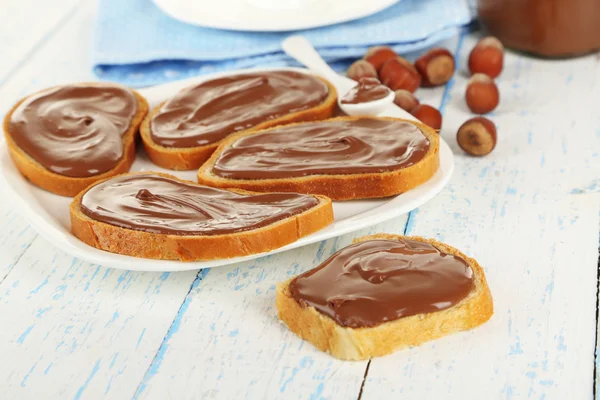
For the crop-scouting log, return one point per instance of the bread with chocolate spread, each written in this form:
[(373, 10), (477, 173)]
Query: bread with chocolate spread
[(342, 158), (384, 293), (67, 137), (182, 132), (154, 215)]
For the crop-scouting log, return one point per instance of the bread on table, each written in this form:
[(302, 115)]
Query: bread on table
[(182, 132), (67, 137), (159, 216), (353, 326), (343, 158)]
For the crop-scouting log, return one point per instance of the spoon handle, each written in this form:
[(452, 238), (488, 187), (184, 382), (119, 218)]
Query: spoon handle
[(299, 48)]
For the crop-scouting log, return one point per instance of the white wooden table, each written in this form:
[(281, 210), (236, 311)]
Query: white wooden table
[(529, 212)]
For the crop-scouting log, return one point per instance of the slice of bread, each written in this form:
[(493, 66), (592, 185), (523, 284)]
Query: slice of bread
[(336, 187), (191, 158), (66, 185), (136, 243), (367, 342)]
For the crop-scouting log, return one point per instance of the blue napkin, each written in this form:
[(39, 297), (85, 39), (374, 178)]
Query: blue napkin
[(138, 45)]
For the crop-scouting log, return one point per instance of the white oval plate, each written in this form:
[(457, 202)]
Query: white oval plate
[(49, 213), (269, 15)]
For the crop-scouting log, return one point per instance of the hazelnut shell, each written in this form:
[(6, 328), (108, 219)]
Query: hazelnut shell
[(398, 73), (477, 136), (378, 55), (428, 115), (487, 57), (482, 95), (436, 67)]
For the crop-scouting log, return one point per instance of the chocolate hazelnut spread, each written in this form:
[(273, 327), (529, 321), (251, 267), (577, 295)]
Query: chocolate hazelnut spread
[(74, 130), (376, 281), (368, 89), (328, 147), (208, 112), (553, 28), (156, 204)]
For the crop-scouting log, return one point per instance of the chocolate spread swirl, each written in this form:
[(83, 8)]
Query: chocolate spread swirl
[(156, 204), (368, 89), (74, 130), (331, 147), (376, 281), (208, 112)]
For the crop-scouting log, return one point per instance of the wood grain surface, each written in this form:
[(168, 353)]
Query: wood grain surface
[(528, 212)]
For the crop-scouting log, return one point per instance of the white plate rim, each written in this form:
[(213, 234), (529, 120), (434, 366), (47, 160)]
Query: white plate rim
[(64, 240), (176, 10), (25, 202)]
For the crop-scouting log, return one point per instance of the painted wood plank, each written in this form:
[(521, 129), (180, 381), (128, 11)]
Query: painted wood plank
[(26, 25), (76, 330), (41, 69), (597, 359), (29, 56), (15, 238), (243, 350), (73, 329), (528, 212), (301, 375), (82, 370), (229, 343), (19, 39), (97, 382), (539, 344), (45, 68)]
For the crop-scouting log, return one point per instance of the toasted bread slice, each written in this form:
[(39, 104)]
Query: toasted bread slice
[(66, 185), (336, 187), (190, 158), (144, 244), (367, 342)]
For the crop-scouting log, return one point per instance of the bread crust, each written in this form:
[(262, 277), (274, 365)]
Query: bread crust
[(336, 187), (190, 158), (134, 243), (66, 185), (363, 343)]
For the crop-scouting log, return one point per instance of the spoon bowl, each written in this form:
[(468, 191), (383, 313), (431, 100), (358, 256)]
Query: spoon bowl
[(373, 107), (300, 49)]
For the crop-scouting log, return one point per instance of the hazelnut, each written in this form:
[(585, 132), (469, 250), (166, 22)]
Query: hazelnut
[(487, 57), (477, 136), (436, 67), (398, 73), (428, 115), (378, 55), (482, 94), (361, 69), (405, 100)]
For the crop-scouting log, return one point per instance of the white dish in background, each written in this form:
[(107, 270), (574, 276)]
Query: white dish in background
[(269, 15), (49, 213)]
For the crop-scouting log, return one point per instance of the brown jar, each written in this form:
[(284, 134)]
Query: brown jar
[(551, 28)]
